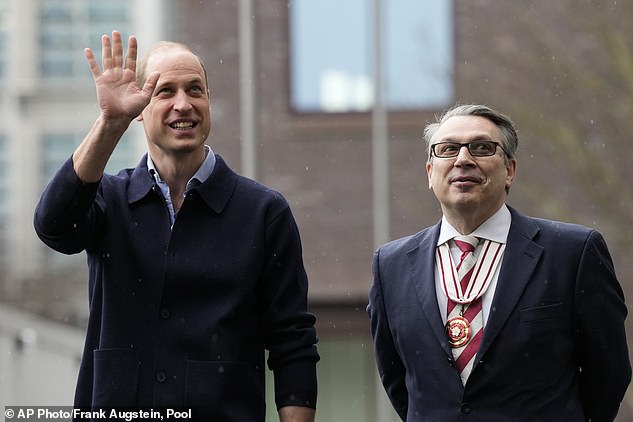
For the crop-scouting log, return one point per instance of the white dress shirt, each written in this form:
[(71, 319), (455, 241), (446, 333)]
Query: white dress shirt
[(496, 229)]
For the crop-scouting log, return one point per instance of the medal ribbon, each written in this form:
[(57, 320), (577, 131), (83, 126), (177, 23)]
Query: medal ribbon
[(464, 286), (490, 256)]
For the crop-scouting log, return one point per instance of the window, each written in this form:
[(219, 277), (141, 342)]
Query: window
[(331, 54), (67, 26), (57, 148)]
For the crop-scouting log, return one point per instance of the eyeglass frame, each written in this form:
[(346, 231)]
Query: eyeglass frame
[(467, 145)]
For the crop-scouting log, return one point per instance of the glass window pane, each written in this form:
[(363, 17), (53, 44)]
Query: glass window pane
[(66, 27), (418, 53), (331, 64), (57, 148), (330, 72), (107, 11), (55, 11)]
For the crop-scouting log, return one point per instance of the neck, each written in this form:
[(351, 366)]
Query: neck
[(464, 226), (467, 222), (176, 171)]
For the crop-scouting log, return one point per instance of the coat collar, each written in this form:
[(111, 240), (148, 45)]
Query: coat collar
[(215, 191)]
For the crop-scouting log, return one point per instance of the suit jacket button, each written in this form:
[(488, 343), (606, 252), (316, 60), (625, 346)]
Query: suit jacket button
[(164, 313), (161, 377), (466, 408)]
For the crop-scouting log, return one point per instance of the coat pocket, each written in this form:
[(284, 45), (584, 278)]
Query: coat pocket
[(115, 378), (226, 391), (538, 313)]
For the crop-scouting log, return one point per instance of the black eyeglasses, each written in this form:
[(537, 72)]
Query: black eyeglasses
[(475, 148)]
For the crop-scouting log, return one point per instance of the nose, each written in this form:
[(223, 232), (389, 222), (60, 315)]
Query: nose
[(181, 101), (464, 157)]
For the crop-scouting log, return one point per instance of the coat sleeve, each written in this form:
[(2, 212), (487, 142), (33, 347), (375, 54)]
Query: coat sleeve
[(605, 370), (289, 332), (390, 367), (68, 213)]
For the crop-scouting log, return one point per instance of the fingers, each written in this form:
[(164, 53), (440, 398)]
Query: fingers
[(92, 63), (112, 51), (150, 83), (106, 53), (130, 58), (117, 50), (112, 54)]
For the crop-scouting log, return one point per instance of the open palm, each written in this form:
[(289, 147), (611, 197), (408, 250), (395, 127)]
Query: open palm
[(117, 92)]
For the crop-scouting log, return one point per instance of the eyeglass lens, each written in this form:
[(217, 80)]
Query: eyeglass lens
[(476, 148)]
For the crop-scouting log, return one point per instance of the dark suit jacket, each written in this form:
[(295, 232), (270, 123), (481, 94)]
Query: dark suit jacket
[(554, 347), (180, 318)]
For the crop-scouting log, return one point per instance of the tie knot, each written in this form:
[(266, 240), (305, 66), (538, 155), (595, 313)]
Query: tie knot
[(466, 243)]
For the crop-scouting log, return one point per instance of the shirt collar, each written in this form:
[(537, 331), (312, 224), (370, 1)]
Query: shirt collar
[(200, 176), (495, 228)]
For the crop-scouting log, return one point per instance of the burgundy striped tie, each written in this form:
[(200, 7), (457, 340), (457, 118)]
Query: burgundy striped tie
[(465, 355)]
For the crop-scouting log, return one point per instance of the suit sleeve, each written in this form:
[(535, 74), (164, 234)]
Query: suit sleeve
[(605, 370), (390, 367)]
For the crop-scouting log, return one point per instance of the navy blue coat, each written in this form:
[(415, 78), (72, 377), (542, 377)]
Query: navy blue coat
[(181, 318), (554, 347)]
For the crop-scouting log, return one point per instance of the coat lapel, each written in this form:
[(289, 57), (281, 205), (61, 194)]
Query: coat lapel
[(519, 262), (422, 260)]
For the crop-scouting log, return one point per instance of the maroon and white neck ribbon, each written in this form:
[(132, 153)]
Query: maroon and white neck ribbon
[(489, 258)]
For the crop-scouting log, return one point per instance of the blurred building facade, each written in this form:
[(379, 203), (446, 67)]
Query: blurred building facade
[(295, 106)]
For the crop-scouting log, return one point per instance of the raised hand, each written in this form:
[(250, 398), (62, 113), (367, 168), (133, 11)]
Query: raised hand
[(117, 92), (120, 100)]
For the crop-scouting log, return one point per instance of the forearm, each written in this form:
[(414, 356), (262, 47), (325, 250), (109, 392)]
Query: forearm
[(92, 155), (296, 414)]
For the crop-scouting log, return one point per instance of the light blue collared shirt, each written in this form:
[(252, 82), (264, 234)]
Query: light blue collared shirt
[(202, 174), (496, 228)]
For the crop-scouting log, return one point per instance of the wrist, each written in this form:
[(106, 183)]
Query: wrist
[(115, 125)]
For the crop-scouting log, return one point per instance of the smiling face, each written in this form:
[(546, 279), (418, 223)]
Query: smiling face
[(468, 187), (178, 118)]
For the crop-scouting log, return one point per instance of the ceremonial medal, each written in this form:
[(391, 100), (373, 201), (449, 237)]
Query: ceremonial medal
[(464, 292), (458, 331)]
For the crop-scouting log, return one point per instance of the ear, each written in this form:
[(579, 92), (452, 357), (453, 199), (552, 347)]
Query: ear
[(511, 170), (429, 171)]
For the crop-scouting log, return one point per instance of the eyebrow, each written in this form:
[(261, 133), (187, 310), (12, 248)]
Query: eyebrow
[(167, 82), (479, 137)]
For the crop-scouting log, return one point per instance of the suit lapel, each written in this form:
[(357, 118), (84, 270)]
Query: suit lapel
[(519, 262), (422, 260)]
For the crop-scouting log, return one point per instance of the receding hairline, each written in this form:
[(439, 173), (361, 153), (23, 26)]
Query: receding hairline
[(141, 71)]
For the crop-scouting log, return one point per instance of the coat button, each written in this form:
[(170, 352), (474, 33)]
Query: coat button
[(164, 313), (161, 377), (466, 408)]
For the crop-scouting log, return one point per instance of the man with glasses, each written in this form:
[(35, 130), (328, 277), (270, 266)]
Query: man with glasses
[(490, 315)]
